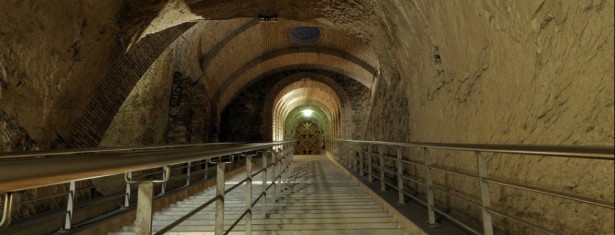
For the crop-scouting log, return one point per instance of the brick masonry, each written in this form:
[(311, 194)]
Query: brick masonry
[(247, 117), (108, 97)]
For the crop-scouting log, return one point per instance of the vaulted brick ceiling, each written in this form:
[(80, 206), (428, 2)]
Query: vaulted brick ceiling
[(230, 54), (306, 94)]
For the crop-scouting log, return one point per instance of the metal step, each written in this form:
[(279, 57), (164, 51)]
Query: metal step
[(294, 232), (322, 201), (278, 227)]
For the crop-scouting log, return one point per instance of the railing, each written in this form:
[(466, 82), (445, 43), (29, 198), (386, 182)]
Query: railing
[(21, 171), (358, 155)]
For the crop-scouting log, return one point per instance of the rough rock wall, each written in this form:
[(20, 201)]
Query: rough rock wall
[(388, 119), (54, 53), (537, 72), (47, 50), (521, 72), (14, 138), (241, 120), (190, 112)]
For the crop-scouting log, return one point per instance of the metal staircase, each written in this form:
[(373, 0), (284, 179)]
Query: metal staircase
[(319, 199)]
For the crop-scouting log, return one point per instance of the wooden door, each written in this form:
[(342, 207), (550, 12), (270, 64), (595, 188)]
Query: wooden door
[(308, 136)]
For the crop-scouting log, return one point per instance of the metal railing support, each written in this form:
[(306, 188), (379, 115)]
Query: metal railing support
[(265, 176), (206, 170), (145, 197), (249, 195), (143, 224), (355, 161), (219, 227), (485, 199), (70, 206), (285, 168), (128, 191), (382, 182), (7, 209), (602, 153), (163, 188), (370, 177), (431, 215), (361, 164), (274, 177), (400, 179), (188, 172)]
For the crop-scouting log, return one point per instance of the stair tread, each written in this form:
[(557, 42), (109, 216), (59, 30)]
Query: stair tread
[(321, 201)]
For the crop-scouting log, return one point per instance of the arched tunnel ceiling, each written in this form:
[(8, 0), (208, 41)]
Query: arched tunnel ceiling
[(302, 94), (244, 49), (306, 91)]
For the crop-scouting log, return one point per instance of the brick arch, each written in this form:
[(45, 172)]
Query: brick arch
[(320, 116), (334, 79), (327, 116), (300, 93), (270, 100), (109, 95), (329, 58)]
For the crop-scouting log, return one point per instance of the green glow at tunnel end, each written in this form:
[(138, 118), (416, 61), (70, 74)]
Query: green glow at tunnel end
[(307, 112)]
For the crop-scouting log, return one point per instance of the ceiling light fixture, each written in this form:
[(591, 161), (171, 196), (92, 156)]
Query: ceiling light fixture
[(307, 112), (268, 17)]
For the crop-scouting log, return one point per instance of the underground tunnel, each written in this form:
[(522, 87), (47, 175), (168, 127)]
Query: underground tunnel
[(483, 117)]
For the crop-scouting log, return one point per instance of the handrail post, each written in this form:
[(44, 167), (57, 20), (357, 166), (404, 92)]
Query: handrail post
[(249, 195), (370, 178), (128, 192), (206, 170), (381, 158), (70, 206), (274, 177), (289, 165), (354, 159), (286, 168), (163, 187), (188, 173), (483, 173), (346, 152), (431, 214), (361, 164), (264, 184), (7, 209), (219, 227), (144, 208), (400, 179), (145, 198), (349, 155), (340, 154), (292, 165), (283, 170)]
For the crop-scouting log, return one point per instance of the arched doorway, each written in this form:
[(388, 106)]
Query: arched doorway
[(309, 138)]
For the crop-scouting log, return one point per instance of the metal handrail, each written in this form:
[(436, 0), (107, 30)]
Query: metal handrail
[(279, 174), (605, 153), (527, 188), (16, 170), (6, 210), (81, 151), (592, 152), (21, 174)]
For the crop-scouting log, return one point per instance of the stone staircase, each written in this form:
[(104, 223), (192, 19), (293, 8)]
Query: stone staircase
[(319, 200)]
